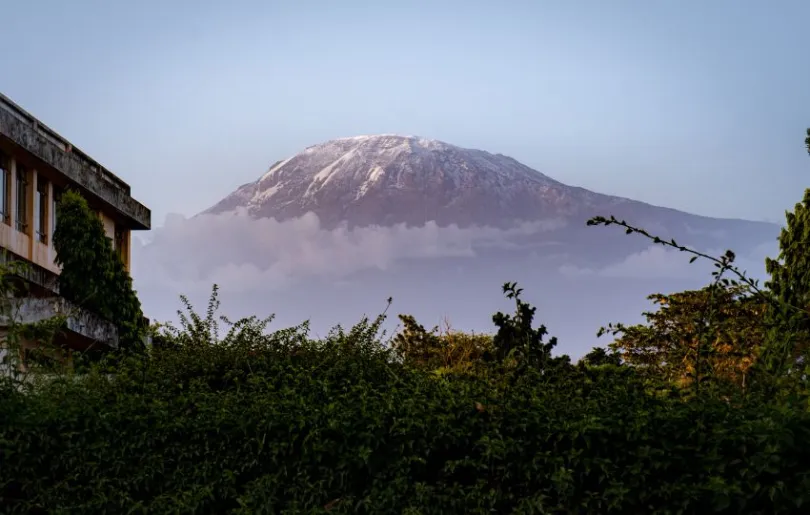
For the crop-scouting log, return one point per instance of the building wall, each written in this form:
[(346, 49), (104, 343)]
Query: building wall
[(33, 240), (109, 225), (118, 235), (20, 355)]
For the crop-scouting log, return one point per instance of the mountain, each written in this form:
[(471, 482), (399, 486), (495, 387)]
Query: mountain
[(387, 179)]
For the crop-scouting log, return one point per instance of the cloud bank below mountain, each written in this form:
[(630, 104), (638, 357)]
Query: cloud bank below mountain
[(241, 253), (244, 254), (657, 261)]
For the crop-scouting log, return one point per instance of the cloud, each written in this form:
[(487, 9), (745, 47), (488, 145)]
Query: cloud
[(652, 262), (717, 234), (657, 261), (241, 253)]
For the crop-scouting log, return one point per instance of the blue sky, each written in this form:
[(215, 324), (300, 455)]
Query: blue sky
[(695, 105)]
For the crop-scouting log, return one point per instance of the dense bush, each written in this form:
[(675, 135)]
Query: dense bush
[(93, 276), (277, 423)]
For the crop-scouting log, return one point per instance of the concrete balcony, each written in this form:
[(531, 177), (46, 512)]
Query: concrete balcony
[(35, 275), (83, 329)]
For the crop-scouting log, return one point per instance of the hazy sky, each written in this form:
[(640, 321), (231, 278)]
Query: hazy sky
[(693, 104)]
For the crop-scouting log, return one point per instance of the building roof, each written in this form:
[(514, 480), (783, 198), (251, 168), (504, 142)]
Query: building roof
[(28, 132)]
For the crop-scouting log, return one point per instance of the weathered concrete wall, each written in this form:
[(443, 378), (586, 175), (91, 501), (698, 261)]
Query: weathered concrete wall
[(24, 130), (6, 364), (29, 310), (33, 273)]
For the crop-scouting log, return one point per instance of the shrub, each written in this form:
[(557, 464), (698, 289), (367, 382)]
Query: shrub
[(93, 276), (258, 422)]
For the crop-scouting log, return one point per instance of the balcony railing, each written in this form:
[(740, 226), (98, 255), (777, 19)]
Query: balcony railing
[(79, 321)]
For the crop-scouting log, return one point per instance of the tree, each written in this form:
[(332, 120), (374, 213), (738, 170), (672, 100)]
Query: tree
[(93, 276), (807, 141), (446, 350), (790, 282), (722, 321), (599, 356), (516, 343), (516, 338)]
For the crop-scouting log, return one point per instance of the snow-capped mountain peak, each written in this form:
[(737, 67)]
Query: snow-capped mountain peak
[(388, 178)]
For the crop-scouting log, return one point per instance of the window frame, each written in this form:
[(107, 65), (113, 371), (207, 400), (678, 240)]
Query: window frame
[(5, 183), (21, 219), (41, 210), (55, 198), (120, 242)]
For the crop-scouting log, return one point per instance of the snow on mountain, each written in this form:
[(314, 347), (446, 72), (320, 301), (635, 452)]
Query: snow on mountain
[(387, 179)]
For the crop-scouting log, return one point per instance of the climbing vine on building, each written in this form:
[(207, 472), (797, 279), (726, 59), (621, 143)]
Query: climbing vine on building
[(93, 275)]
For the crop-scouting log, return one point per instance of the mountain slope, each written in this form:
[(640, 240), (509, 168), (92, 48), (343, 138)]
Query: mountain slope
[(387, 179), (384, 180)]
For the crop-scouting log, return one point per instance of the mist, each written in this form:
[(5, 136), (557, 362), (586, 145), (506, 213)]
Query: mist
[(298, 271)]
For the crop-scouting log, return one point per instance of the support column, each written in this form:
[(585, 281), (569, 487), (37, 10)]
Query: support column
[(128, 252), (31, 214), (49, 224), (12, 193)]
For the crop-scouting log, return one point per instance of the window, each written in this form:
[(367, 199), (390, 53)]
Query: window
[(41, 210), (22, 197), (4, 182), (57, 196), (120, 243)]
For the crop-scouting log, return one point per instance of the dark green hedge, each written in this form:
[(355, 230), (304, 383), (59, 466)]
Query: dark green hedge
[(339, 426)]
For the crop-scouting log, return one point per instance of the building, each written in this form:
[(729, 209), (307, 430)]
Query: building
[(36, 164)]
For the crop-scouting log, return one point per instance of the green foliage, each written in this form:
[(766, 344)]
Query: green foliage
[(788, 319), (807, 141), (725, 322), (599, 356), (445, 351), (47, 357), (790, 273), (777, 352), (516, 337), (93, 276), (274, 422)]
